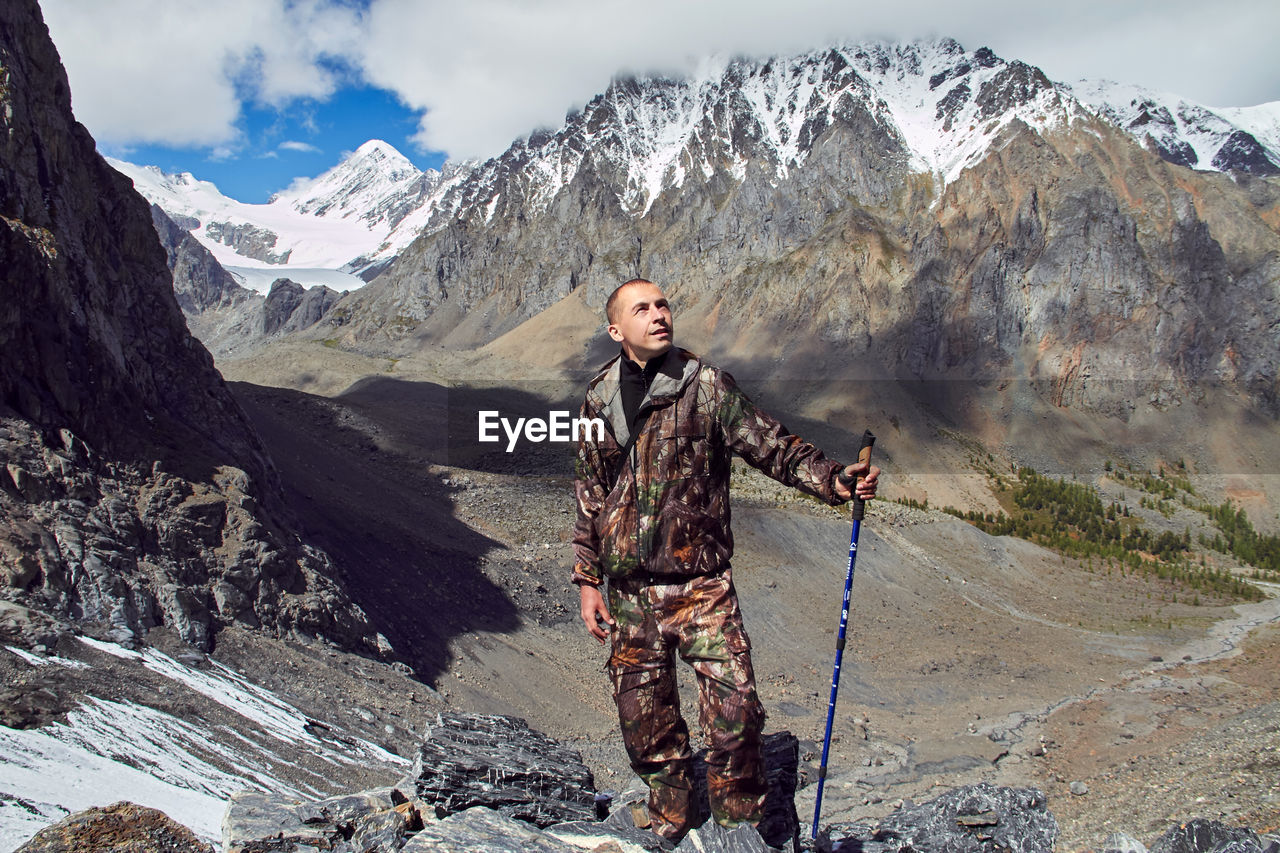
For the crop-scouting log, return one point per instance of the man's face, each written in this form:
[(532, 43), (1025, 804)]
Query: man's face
[(642, 322)]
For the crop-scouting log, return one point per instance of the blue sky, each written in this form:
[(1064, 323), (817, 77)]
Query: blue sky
[(253, 94)]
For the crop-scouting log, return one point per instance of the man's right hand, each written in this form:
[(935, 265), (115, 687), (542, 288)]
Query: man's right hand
[(593, 608)]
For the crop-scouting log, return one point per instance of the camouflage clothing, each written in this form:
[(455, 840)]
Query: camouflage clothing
[(656, 524), (665, 511), (701, 621)]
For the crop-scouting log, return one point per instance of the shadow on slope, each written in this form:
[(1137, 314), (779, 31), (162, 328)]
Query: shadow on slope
[(364, 493)]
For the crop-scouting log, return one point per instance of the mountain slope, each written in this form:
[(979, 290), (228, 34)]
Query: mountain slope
[(924, 211)]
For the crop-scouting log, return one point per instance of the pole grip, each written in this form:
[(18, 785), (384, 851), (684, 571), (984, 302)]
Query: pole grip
[(864, 455)]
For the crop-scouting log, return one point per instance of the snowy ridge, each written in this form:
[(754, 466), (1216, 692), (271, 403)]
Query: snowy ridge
[(107, 749), (950, 104), (1188, 133), (943, 104), (363, 185)]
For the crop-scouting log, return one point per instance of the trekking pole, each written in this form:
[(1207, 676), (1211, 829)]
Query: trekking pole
[(859, 509)]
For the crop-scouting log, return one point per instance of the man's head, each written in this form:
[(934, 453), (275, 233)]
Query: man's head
[(640, 320)]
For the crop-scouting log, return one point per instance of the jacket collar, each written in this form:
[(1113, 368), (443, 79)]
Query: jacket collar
[(678, 370)]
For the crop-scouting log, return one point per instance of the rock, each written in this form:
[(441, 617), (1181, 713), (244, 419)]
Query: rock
[(475, 759), (595, 835), (481, 828), (28, 706), (1119, 842), (256, 822), (1207, 836), (713, 838), (200, 283), (119, 828), (1079, 789), (979, 817)]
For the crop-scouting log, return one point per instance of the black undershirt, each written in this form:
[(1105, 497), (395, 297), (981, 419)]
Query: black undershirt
[(635, 382)]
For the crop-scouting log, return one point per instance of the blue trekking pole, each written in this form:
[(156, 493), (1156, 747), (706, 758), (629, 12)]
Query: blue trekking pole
[(859, 509)]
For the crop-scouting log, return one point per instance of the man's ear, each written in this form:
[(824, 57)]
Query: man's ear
[(614, 333)]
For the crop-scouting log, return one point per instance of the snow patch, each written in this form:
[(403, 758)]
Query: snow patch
[(106, 751)]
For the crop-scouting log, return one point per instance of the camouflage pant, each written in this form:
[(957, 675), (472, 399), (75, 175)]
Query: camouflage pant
[(699, 619)]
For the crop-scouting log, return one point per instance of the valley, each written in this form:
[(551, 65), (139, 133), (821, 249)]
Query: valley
[(970, 656)]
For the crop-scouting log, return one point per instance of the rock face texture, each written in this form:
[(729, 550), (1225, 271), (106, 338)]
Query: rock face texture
[(290, 307), (133, 490), (199, 281), (501, 763)]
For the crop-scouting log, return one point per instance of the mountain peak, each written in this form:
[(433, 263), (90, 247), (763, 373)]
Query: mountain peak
[(366, 174), (380, 151)]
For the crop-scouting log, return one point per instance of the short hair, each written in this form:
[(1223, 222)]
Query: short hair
[(612, 302)]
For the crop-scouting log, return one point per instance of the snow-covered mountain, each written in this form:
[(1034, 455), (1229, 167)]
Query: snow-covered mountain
[(939, 105), (322, 224), (1237, 139)]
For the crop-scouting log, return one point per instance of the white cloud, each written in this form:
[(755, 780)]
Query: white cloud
[(487, 71), (295, 145), (176, 72)]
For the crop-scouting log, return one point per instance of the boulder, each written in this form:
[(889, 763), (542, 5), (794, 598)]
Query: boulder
[(119, 828), (1208, 836), (257, 822), (489, 760), (981, 818)]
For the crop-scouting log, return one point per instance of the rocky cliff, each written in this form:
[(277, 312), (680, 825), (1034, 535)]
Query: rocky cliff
[(134, 491)]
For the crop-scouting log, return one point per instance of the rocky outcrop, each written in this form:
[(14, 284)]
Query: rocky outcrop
[(484, 782), (252, 241), (978, 817), (133, 491), (199, 281), (290, 307), (121, 828), (1242, 153)]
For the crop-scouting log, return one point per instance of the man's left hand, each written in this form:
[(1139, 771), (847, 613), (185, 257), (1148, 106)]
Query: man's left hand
[(866, 476)]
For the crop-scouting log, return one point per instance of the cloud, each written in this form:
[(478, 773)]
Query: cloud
[(176, 72), (488, 71), (294, 145), (485, 72)]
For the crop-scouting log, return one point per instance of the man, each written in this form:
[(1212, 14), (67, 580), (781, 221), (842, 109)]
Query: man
[(653, 519)]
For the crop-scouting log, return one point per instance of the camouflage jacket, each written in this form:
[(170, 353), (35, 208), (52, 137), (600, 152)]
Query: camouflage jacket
[(665, 510)]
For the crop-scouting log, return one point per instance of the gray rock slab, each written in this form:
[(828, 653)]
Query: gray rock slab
[(1119, 842), (594, 835), (482, 828), (471, 760), (979, 818)]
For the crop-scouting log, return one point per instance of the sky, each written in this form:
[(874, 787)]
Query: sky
[(252, 94)]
